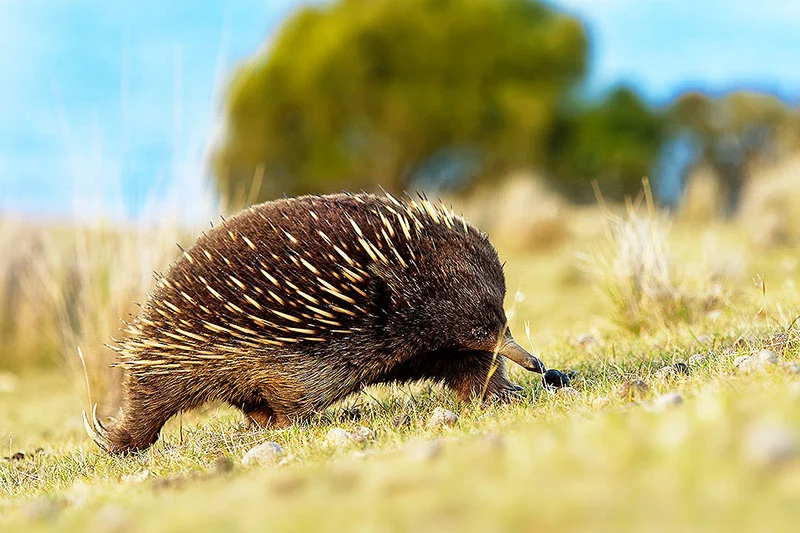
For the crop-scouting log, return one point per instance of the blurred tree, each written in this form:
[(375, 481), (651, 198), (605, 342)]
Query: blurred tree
[(734, 133), (614, 142), (365, 93)]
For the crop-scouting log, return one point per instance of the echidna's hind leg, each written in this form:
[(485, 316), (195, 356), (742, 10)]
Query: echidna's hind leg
[(148, 403), (261, 415)]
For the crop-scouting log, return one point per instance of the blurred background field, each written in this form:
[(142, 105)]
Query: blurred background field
[(637, 165)]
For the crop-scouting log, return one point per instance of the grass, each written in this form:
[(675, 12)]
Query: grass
[(551, 462)]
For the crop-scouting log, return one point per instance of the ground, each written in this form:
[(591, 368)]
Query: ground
[(722, 459)]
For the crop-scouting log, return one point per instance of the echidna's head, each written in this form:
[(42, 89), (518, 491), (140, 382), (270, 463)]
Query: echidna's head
[(454, 302)]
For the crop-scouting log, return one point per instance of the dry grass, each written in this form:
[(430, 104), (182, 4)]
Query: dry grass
[(520, 214), (770, 210), (647, 287), (70, 288)]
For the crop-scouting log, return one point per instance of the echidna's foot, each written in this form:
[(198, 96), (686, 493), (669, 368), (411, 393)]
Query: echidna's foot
[(507, 392), (486, 380), (119, 438)]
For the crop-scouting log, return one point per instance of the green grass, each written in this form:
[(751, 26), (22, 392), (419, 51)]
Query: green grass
[(546, 463)]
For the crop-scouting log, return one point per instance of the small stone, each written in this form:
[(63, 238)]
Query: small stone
[(287, 459), (767, 357), (567, 392), (667, 400), (223, 464), (601, 402), (265, 453), (634, 389), (425, 451), (585, 340), (769, 444), (442, 417), (791, 368), (745, 363), (666, 373), (555, 379), (401, 421), (362, 434), (697, 359), (337, 437), (136, 477)]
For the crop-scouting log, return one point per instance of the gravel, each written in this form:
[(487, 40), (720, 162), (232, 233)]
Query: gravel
[(338, 438), (442, 417), (665, 401), (264, 454)]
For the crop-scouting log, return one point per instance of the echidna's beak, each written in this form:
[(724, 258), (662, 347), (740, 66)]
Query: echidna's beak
[(513, 351)]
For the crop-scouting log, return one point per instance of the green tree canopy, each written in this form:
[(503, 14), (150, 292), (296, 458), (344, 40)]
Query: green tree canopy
[(614, 142), (360, 93), (733, 131)]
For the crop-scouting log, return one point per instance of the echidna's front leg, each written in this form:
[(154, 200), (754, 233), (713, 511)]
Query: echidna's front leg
[(481, 375)]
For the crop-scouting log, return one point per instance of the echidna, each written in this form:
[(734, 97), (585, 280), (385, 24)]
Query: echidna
[(294, 304)]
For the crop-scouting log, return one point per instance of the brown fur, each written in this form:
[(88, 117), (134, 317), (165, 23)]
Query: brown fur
[(293, 305)]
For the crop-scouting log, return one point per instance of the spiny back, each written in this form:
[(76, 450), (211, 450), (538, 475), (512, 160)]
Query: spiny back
[(284, 275)]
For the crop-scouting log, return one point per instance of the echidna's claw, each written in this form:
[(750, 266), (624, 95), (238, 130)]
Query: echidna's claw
[(96, 431)]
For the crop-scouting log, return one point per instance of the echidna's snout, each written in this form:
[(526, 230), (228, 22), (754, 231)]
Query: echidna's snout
[(514, 352)]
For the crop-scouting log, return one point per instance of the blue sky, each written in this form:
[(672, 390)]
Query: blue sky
[(109, 107)]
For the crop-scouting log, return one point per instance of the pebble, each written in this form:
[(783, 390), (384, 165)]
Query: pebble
[(555, 379), (567, 392), (672, 371), (665, 372), (585, 340), (745, 363), (670, 399), (791, 368), (442, 417), (697, 359), (338, 438), (425, 450), (265, 453), (767, 357), (761, 360), (601, 402), (362, 434), (769, 444)]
